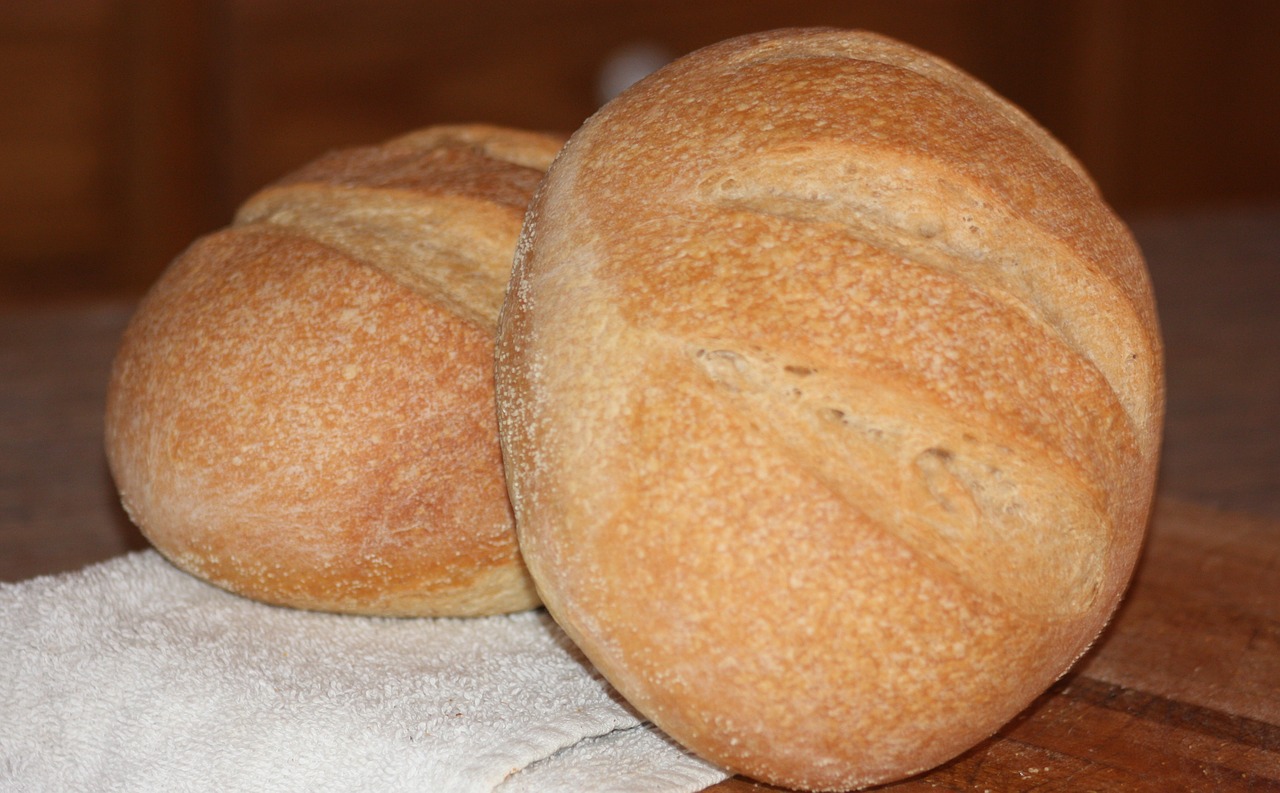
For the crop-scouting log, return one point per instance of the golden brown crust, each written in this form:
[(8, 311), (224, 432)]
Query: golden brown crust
[(830, 393), (301, 410)]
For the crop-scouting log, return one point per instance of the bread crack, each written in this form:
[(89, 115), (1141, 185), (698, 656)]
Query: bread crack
[(1020, 530), (942, 221)]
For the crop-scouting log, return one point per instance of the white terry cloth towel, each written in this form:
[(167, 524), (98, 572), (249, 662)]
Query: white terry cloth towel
[(131, 675)]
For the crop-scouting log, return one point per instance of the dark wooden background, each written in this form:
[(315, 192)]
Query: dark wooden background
[(129, 128)]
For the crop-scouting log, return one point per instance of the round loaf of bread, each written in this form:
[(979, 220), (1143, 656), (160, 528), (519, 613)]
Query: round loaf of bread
[(301, 410), (830, 393)]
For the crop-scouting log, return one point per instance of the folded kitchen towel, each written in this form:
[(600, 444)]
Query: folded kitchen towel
[(131, 675)]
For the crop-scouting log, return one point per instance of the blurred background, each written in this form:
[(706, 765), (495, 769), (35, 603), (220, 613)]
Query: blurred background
[(129, 128)]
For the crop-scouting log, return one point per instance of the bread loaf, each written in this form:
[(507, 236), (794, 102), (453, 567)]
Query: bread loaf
[(301, 410), (830, 392)]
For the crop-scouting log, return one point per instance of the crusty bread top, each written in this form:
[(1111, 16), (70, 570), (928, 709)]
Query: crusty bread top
[(831, 393), (905, 152), (995, 290), (431, 209), (287, 420)]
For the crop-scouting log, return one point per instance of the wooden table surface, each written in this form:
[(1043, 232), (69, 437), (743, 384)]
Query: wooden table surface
[(1182, 693)]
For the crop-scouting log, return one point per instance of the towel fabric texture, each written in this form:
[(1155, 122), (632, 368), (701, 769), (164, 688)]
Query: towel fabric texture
[(131, 675)]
